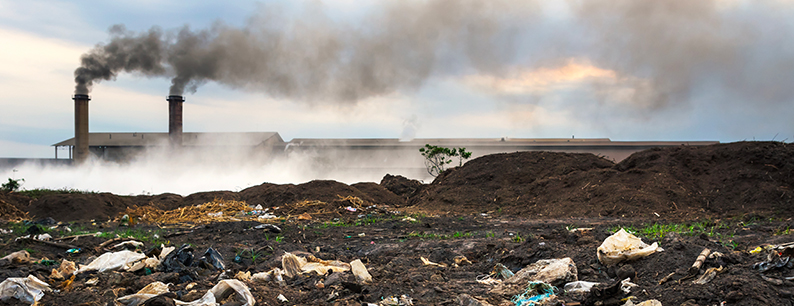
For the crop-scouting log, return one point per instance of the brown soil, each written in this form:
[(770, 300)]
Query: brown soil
[(745, 188)]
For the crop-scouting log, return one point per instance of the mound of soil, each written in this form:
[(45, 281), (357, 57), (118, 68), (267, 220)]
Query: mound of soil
[(401, 185), (68, 207), (9, 211), (269, 195), (679, 182)]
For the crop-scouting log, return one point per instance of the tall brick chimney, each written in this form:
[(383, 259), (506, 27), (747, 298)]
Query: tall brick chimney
[(80, 127), (175, 119)]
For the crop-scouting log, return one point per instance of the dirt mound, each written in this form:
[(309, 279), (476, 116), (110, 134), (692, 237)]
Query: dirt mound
[(401, 185), (379, 195), (679, 182), (269, 195), (8, 209), (493, 181), (68, 207)]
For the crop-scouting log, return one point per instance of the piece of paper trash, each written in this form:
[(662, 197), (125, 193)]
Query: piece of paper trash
[(26, 289), (623, 246)]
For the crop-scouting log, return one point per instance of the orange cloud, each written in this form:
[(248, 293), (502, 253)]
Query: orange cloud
[(542, 79)]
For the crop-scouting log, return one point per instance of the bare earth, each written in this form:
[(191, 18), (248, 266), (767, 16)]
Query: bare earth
[(513, 209)]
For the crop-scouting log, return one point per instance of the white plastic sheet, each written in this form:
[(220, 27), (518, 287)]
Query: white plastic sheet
[(26, 289), (240, 292), (623, 246), (113, 261), (360, 271)]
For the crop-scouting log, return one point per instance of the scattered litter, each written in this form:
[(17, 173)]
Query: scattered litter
[(267, 216), (360, 272), (243, 276), (26, 289), (18, 257), (623, 246), (220, 292), (551, 271), (408, 219), (580, 229), (129, 244), (361, 234), (487, 280), (212, 259), (66, 268), (215, 214), (501, 271), (427, 262), (579, 286), (176, 261), (258, 207), (270, 227), (5, 231), (352, 209), (73, 251), (113, 261), (646, 303), (403, 300), (460, 260), (92, 281), (536, 293), (282, 299), (779, 256), (708, 276)]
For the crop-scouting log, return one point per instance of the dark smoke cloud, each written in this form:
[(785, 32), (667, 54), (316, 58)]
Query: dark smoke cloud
[(669, 51), (314, 57), (662, 52), (127, 51)]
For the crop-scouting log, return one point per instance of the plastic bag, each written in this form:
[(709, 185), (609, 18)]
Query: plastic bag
[(28, 289), (113, 261), (223, 289), (646, 303), (623, 246), (360, 271), (579, 286)]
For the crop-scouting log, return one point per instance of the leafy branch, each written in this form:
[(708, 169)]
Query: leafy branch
[(438, 158)]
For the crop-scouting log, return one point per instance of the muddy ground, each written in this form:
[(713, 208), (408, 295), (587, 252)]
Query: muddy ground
[(512, 209)]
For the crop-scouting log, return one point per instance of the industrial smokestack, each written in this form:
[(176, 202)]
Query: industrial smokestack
[(80, 127), (175, 119)]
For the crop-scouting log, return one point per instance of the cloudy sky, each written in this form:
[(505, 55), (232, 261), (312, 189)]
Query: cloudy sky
[(621, 69)]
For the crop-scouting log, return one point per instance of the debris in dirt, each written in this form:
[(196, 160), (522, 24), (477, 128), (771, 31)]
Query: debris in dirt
[(778, 257), (66, 268), (212, 259), (130, 245), (360, 271), (282, 299), (695, 268), (536, 293), (623, 246), (176, 261), (26, 289), (220, 292), (580, 230), (270, 227), (73, 251), (18, 257), (707, 276), (606, 294), (646, 303), (501, 271), (403, 300), (243, 276), (460, 260), (427, 262), (113, 261), (551, 271), (579, 288)]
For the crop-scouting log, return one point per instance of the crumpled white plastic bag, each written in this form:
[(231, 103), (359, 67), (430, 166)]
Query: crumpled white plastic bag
[(241, 293), (113, 261), (27, 289), (623, 246)]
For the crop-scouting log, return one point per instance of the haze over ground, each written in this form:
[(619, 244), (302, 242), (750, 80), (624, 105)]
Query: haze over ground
[(619, 69)]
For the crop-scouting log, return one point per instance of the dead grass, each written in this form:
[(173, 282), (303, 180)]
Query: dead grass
[(199, 214)]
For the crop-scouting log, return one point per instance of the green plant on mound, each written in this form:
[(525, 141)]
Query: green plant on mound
[(12, 185), (438, 158)]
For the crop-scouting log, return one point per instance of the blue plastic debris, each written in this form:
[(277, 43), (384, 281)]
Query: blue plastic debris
[(535, 294)]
